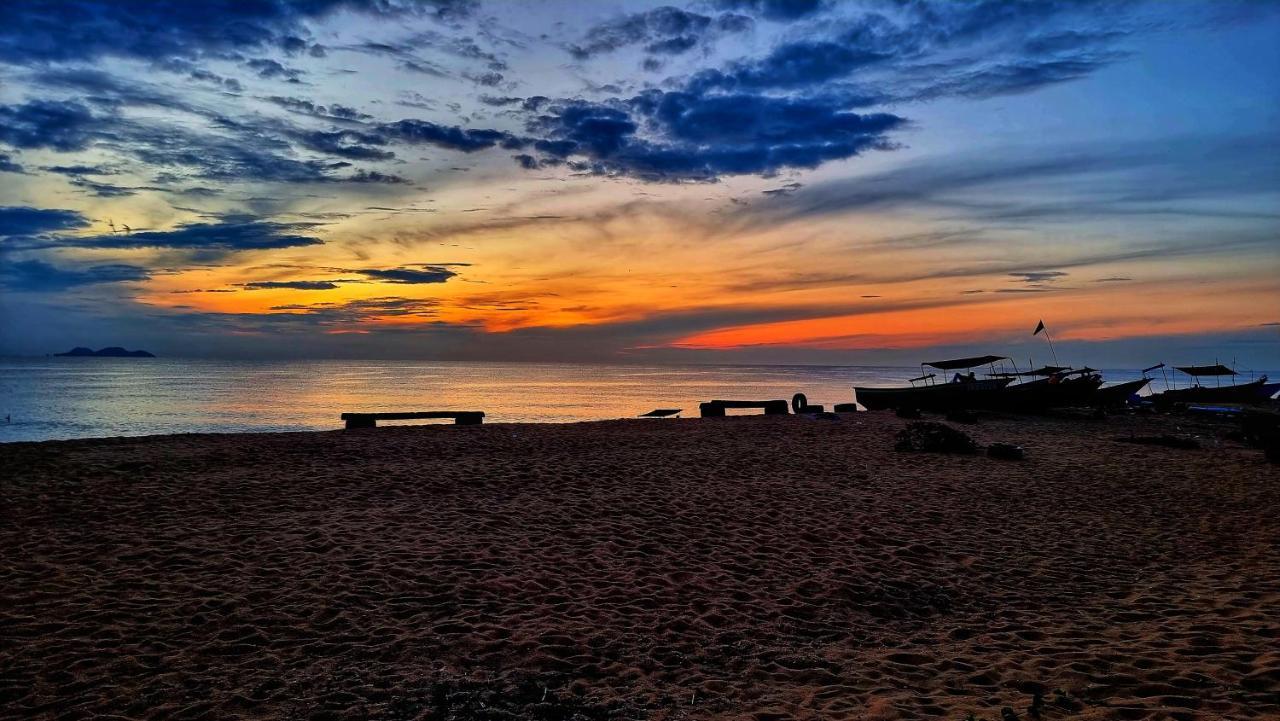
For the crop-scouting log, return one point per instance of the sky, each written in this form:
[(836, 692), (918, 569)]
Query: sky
[(872, 182)]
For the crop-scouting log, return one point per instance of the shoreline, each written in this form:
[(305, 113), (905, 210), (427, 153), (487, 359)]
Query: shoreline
[(739, 568)]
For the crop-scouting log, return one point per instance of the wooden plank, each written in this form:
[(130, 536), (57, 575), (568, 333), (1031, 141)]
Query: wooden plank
[(411, 415), (370, 420), (716, 408)]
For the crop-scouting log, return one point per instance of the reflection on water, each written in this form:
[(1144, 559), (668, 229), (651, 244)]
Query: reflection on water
[(50, 398)]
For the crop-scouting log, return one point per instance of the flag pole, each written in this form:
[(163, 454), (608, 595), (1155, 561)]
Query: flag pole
[(1042, 328), (1051, 351)]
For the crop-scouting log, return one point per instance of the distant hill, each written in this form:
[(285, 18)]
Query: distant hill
[(112, 352)]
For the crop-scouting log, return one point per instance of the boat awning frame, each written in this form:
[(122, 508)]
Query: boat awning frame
[(1213, 370), (973, 362)]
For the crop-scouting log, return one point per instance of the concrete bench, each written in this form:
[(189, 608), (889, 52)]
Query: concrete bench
[(716, 409), (370, 420)]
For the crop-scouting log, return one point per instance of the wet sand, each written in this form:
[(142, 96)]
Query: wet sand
[(740, 568)]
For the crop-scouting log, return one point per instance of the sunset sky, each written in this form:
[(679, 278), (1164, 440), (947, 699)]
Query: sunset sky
[(719, 181)]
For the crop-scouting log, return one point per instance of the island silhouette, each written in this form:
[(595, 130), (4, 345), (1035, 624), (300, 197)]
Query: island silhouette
[(110, 352)]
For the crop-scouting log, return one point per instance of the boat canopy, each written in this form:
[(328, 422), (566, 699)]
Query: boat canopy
[(981, 360), (1045, 371), (1213, 370)]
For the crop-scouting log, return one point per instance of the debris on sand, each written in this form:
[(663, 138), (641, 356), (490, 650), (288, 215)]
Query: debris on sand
[(934, 437)]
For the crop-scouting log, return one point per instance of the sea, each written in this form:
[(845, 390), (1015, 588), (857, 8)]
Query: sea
[(63, 398)]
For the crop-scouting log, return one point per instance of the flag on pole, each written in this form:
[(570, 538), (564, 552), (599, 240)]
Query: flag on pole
[(1039, 327)]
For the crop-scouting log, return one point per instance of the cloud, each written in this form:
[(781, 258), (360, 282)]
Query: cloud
[(290, 284), (778, 10), (351, 313), (233, 233), (409, 275), (39, 277), (16, 221), (74, 170), (701, 137), (302, 106), (1038, 276), (423, 132), (350, 144), (57, 125), (77, 30), (655, 27), (8, 166)]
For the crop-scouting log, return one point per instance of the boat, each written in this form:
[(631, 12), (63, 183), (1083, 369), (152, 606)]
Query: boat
[(1061, 387), (1117, 394), (963, 391), (1268, 391), (1251, 392)]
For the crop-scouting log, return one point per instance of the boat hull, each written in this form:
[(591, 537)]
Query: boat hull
[(1118, 394), (1243, 393), (938, 397)]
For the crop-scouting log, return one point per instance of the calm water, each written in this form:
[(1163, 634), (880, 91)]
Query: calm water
[(56, 398)]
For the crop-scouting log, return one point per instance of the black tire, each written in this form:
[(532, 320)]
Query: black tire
[(799, 402)]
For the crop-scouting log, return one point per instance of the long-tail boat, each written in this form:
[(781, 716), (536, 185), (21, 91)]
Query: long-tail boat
[(1251, 392), (926, 393)]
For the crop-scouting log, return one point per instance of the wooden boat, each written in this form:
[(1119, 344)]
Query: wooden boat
[(961, 392), (1057, 391), (1117, 394), (1251, 392)]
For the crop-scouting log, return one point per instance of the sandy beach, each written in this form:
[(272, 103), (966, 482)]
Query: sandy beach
[(741, 568)]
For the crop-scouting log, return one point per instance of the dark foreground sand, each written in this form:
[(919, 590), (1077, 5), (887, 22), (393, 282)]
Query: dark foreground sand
[(754, 568)]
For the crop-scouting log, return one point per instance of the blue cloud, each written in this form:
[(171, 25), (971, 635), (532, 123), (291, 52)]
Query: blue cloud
[(234, 233), (423, 132), (58, 125), (664, 30), (73, 30), (701, 137), (18, 221), (8, 166), (779, 10), (36, 276)]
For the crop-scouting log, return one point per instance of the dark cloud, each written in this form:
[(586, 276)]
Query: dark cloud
[(352, 312), (672, 46), (375, 178), (75, 170), (701, 137), (302, 106), (107, 190), (269, 69), (350, 144), (1038, 276), (423, 132), (665, 30), (779, 10), (409, 275), (233, 233), (73, 30), (500, 101), (8, 166), (37, 276), (18, 221), (57, 125), (290, 284)]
